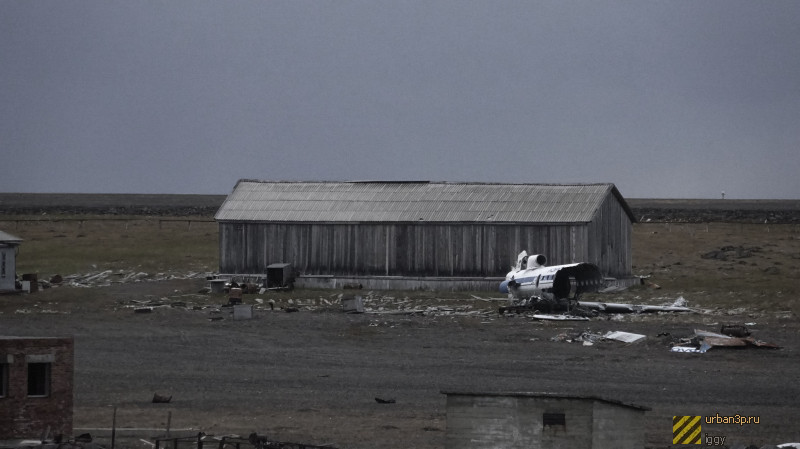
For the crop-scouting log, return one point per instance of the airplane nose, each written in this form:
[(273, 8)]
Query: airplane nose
[(504, 286)]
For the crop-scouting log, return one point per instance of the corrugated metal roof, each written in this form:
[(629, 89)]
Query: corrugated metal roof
[(414, 201)]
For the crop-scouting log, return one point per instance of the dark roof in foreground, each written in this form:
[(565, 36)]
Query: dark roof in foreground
[(387, 201), (548, 395)]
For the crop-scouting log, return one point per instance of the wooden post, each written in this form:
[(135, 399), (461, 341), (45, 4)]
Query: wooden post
[(114, 428)]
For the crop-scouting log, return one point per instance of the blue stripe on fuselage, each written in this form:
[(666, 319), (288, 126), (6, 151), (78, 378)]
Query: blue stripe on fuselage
[(520, 282)]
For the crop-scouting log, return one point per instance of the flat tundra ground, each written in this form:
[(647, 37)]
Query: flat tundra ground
[(313, 376)]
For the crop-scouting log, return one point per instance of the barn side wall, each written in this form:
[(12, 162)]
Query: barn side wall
[(395, 249), (608, 240)]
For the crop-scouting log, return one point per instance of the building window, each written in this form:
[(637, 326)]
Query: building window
[(38, 379), (3, 380), (554, 419)]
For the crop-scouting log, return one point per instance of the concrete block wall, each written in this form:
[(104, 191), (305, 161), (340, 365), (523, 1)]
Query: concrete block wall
[(617, 427), (516, 422), (23, 416), (512, 421)]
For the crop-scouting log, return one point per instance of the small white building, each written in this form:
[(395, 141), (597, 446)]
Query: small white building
[(8, 260), (541, 420)]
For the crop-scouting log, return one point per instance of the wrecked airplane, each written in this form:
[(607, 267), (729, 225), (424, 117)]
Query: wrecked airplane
[(550, 288)]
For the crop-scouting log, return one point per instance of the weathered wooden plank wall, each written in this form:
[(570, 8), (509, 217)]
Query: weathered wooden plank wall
[(609, 243), (424, 249)]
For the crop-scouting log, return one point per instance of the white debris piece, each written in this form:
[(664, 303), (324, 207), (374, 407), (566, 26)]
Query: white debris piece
[(560, 318), (680, 302), (625, 337), (684, 349)]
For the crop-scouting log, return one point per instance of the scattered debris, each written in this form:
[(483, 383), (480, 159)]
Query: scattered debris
[(560, 317), (679, 305), (703, 340), (107, 277), (687, 349), (735, 330), (589, 338), (161, 399), (250, 288), (217, 285), (235, 295), (255, 440), (588, 308), (83, 441), (680, 302), (385, 401)]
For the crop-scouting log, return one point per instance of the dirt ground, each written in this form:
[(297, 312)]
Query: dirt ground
[(313, 376)]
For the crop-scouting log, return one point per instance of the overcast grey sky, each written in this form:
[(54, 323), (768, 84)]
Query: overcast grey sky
[(666, 99)]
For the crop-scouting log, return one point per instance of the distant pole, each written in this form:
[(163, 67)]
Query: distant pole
[(114, 428), (723, 194)]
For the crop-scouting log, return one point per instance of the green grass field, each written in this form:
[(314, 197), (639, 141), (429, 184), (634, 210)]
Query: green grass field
[(71, 245), (761, 270)]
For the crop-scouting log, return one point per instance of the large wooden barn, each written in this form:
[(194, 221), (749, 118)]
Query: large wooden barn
[(393, 234)]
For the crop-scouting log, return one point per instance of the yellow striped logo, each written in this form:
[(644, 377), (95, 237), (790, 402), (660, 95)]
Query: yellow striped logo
[(686, 429)]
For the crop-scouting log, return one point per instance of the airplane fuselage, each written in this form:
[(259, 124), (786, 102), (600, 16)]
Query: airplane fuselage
[(530, 277)]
